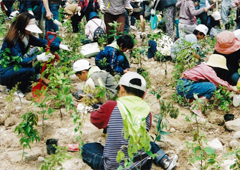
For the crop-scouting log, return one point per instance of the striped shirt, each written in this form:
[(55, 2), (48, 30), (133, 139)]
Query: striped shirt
[(115, 141)]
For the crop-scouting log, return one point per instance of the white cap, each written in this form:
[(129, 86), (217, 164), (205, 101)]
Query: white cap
[(202, 28), (237, 33), (216, 15), (32, 27), (81, 65), (127, 77)]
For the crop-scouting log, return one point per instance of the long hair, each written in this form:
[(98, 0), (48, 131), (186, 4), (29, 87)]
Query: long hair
[(17, 29)]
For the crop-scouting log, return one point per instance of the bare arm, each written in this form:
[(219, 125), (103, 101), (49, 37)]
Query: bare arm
[(49, 14)]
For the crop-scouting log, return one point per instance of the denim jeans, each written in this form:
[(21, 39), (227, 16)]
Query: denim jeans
[(92, 154), (234, 79), (204, 18), (186, 88), (126, 27), (49, 25)]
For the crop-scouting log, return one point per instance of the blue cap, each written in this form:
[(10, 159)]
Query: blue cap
[(92, 15)]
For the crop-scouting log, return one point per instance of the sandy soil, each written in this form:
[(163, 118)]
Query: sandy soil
[(63, 130)]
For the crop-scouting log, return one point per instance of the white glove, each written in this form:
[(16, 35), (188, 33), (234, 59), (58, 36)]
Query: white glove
[(103, 9), (130, 9), (44, 57), (13, 14), (79, 11), (64, 47), (30, 12)]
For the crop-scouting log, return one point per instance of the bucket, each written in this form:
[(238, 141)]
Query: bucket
[(50, 148)]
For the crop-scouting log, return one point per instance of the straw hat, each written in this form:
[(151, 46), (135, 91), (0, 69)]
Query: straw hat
[(32, 27), (217, 60), (227, 43)]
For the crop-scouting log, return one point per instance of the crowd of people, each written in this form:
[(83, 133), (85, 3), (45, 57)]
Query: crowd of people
[(197, 19)]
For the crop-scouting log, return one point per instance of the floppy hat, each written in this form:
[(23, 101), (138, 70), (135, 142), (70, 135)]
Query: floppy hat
[(202, 28), (127, 77), (227, 43), (81, 65), (32, 27), (92, 15), (216, 15), (217, 60)]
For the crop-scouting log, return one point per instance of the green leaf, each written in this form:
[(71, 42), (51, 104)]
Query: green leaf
[(209, 151)]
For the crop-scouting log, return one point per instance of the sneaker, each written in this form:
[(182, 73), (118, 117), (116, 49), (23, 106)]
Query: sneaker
[(133, 27), (19, 94), (171, 163)]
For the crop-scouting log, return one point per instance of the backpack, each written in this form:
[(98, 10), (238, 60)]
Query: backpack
[(99, 32)]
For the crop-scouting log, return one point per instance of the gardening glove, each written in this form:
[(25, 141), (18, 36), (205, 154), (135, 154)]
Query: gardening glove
[(103, 9), (13, 14), (30, 12), (44, 57), (64, 47), (130, 9), (79, 11)]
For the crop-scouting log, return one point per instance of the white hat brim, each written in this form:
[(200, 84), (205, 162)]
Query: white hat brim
[(33, 28)]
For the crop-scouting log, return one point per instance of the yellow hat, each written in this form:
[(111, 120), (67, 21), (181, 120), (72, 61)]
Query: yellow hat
[(217, 60)]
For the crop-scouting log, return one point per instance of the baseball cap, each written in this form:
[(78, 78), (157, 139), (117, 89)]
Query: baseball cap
[(202, 28), (81, 65), (127, 77), (32, 27)]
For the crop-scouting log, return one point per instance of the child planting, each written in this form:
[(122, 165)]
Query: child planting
[(113, 116), (116, 61), (198, 34), (204, 79), (94, 77)]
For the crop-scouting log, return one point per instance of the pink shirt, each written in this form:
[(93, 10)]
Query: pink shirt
[(204, 72)]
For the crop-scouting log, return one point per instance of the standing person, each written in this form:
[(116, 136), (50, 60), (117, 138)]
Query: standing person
[(114, 10), (237, 3), (50, 13), (187, 13), (169, 11), (34, 8), (112, 115), (225, 7), (138, 14), (15, 45), (95, 27), (204, 16), (9, 5)]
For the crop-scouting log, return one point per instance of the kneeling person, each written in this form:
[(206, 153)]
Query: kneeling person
[(132, 90), (94, 77)]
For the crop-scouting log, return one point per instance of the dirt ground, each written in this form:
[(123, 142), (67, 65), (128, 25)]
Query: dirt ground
[(63, 130)]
